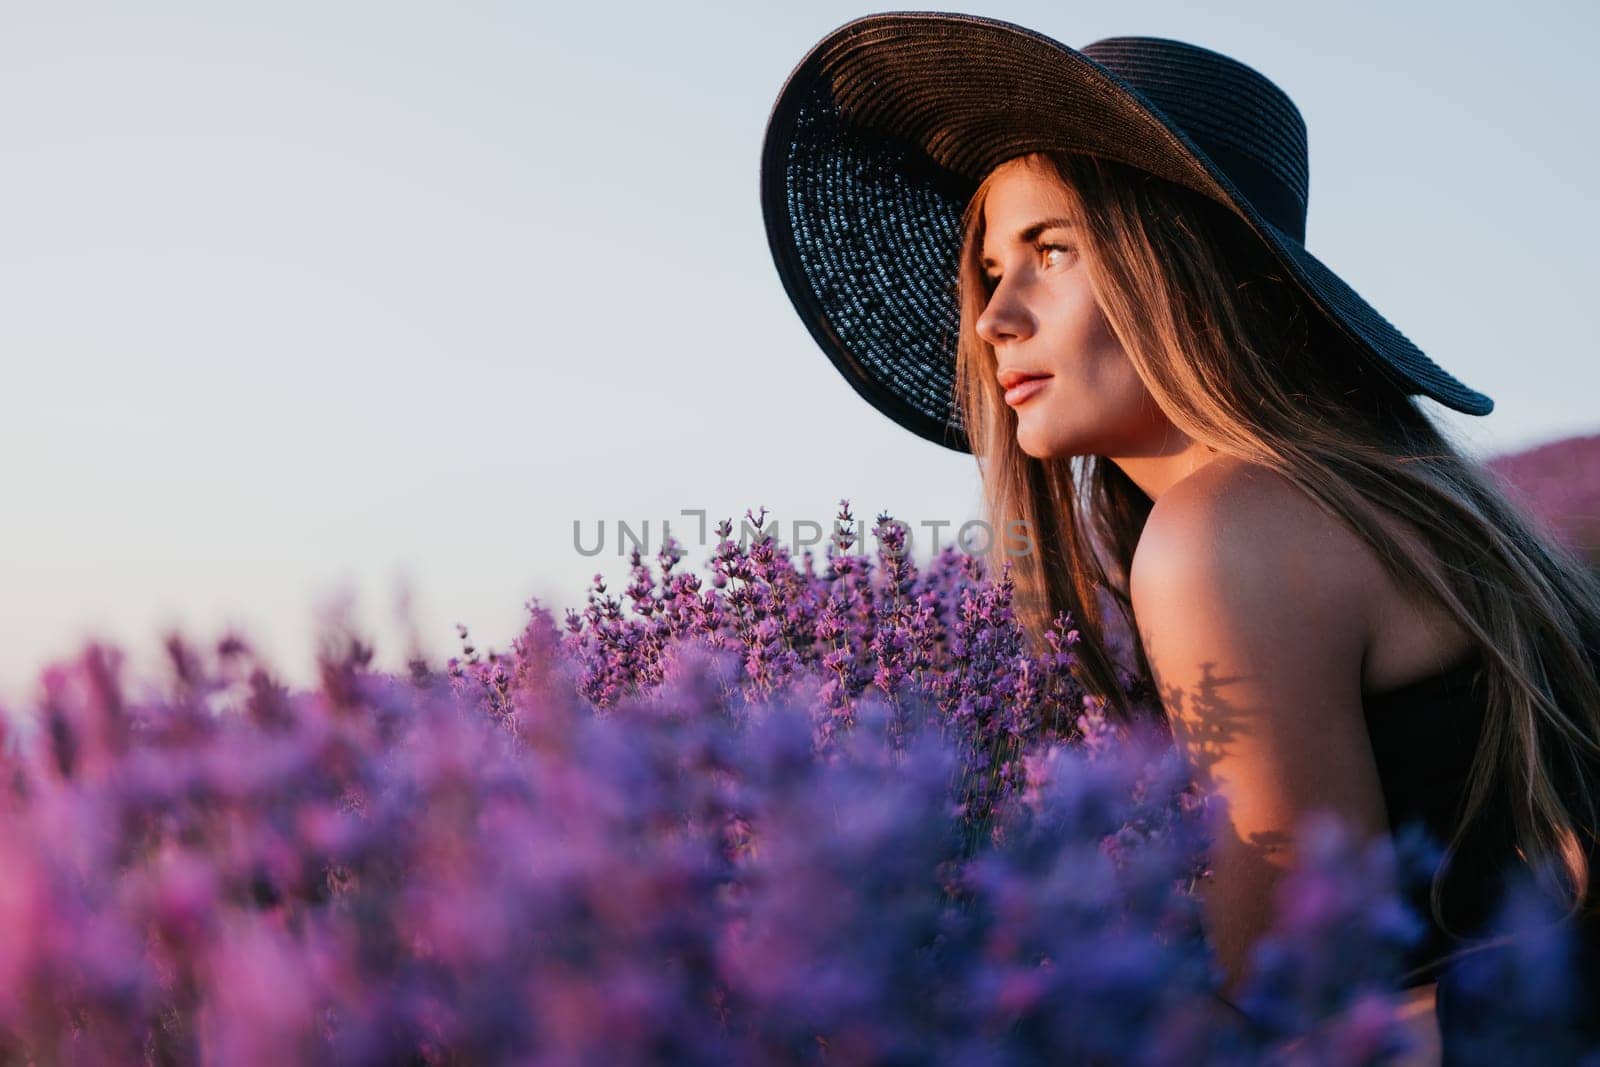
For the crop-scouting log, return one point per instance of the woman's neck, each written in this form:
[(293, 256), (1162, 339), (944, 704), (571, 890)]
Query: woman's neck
[(1158, 471)]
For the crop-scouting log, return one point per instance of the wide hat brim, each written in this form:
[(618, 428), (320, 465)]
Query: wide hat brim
[(881, 135)]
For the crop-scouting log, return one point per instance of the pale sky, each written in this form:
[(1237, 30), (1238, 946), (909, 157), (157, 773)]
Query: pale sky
[(299, 301)]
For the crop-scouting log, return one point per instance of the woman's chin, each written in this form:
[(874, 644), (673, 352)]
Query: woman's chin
[(1038, 448), (1041, 445)]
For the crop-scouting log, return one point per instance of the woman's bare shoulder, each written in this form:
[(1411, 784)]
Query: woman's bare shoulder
[(1234, 505), (1233, 518), (1251, 624), (1251, 535)]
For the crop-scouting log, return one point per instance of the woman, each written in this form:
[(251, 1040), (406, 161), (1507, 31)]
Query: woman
[(1088, 269)]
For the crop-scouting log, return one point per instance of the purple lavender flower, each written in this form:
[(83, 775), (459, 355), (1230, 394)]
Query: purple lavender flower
[(779, 815)]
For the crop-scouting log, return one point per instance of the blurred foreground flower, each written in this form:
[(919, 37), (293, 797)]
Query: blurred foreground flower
[(795, 817)]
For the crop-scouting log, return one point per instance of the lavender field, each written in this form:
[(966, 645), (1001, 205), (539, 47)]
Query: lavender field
[(1560, 484), (789, 810)]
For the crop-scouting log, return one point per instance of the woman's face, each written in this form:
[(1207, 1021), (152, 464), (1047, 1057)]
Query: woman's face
[(1042, 319)]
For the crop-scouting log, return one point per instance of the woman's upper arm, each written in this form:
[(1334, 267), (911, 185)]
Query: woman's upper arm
[(1249, 602)]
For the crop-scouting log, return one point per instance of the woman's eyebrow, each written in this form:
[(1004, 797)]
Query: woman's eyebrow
[(1033, 231)]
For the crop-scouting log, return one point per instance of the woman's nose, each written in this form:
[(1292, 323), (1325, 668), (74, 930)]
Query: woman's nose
[(1005, 318)]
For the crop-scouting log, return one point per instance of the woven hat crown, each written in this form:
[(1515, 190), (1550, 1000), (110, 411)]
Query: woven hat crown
[(1244, 122)]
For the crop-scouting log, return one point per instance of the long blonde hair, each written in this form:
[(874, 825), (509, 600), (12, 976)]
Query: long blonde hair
[(1235, 356)]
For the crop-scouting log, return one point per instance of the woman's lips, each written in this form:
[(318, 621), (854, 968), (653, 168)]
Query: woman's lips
[(1023, 390)]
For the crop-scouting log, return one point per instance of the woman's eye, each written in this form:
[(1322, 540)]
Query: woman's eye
[(1047, 249), (992, 281)]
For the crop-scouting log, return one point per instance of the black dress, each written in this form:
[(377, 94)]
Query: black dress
[(1424, 736)]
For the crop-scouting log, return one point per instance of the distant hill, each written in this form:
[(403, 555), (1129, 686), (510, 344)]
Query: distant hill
[(1559, 483)]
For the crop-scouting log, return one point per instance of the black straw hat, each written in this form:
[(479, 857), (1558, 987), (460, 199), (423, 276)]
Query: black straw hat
[(882, 133)]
